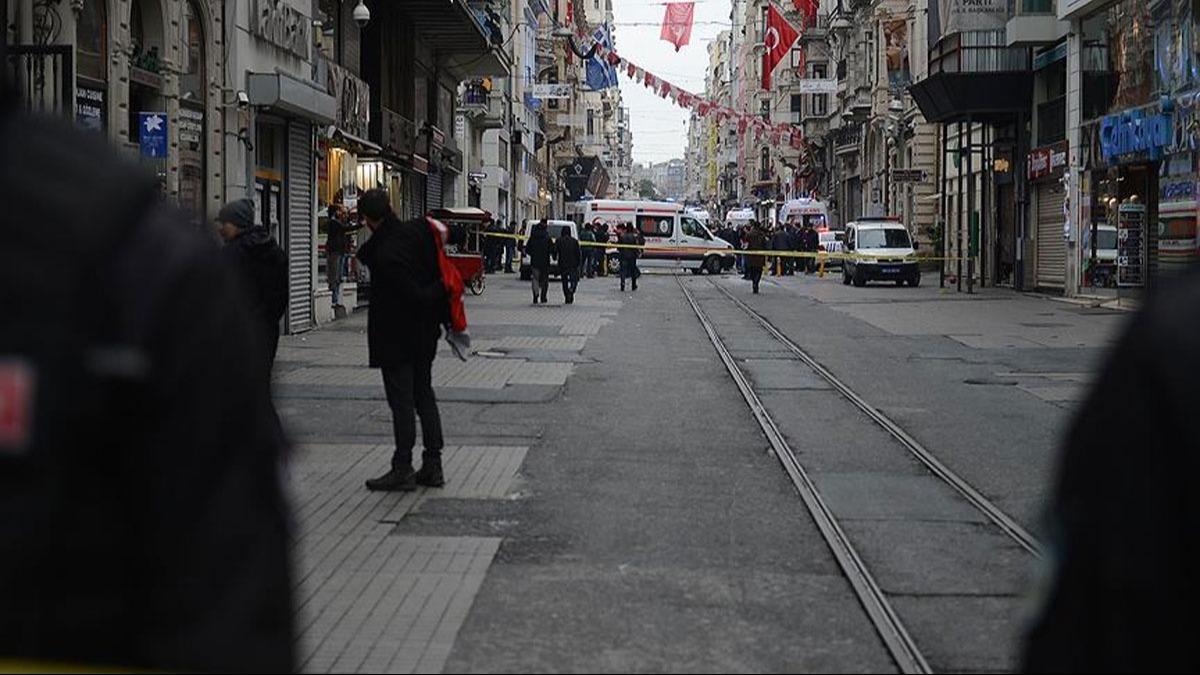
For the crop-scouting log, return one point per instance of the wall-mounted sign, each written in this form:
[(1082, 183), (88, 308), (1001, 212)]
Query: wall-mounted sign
[(353, 98), (282, 25), (152, 134), (1134, 134), (551, 91), (89, 108), (817, 86), (191, 126), (909, 175), (1131, 244), (1047, 161)]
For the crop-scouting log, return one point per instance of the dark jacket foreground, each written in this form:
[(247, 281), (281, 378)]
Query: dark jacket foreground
[(262, 269), (568, 252), (408, 299), (756, 241), (143, 523), (1125, 516), (538, 248)]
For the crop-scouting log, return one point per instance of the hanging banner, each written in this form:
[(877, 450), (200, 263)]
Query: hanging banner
[(895, 36), (677, 23), (960, 16), (817, 86)]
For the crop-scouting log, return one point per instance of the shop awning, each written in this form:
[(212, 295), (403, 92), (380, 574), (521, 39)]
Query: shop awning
[(354, 143), (982, 97), (291, 95), (463, 38)]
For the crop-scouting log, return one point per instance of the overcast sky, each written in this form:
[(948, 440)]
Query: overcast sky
[(659, 126)]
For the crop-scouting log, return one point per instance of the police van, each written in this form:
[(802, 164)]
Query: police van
[(880, 249), (675, 239)]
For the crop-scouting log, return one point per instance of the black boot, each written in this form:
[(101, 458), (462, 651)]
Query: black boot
[(430, 474), (396, 480)]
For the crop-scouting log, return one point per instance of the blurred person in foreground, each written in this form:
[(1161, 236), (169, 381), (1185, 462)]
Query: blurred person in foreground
[(142, 519), (408, 307), (1122, 544)]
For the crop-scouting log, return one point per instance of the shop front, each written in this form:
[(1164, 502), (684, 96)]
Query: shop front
[(285, 178), (1046, 167), (1139, 156)]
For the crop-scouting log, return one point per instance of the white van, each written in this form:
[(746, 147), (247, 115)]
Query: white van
[(880, 250), (736, 218), (556, 228), (675, 239), (805, 211)]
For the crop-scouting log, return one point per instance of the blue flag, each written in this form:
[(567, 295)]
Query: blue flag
[(600, 73)]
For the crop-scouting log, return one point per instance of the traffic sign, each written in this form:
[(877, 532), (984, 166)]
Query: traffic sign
[(152, 133)]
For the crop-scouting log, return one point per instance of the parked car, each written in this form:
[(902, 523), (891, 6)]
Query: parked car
[(880, 250)]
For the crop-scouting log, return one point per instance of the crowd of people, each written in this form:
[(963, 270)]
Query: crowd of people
[(790, 236)]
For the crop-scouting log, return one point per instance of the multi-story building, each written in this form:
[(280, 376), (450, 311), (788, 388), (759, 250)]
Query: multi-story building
[(297, 105)]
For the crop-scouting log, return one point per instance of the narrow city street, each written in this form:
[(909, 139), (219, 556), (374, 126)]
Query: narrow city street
[(613, 502)]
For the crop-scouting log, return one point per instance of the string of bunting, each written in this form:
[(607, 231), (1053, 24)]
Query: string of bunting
[(702, 106)]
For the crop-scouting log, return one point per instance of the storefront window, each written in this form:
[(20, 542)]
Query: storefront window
[(91, 40)]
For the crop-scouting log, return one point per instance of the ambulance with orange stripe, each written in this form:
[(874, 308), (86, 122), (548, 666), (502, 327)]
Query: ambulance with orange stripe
[(675, 239)]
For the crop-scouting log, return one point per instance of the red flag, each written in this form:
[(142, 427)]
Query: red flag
[(807, 9), (778, 42), (677, 23), (630, 69), (649, 80)]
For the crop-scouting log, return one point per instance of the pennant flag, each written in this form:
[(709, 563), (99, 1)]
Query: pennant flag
[(677, 23), (808, 10), (600, 74), (649, 80), (777, 44), (630, 69)]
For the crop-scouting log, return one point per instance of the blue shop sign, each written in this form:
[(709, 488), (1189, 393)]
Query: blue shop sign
[(152, 134), (1135, 133)]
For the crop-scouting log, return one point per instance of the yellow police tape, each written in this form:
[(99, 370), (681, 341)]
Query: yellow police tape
[(821, 255)]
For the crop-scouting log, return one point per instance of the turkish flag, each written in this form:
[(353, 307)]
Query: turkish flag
[(677, 23), (807, 9), (777, 43)]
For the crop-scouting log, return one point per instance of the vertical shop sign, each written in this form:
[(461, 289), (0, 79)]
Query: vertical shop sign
[(1131, 245)]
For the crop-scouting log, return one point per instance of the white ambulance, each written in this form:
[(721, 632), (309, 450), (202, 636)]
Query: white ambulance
[(675, 239)]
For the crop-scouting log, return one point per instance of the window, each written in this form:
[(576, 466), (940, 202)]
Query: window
[(765, 109), (820, 102), (692, 228), (797, 58), (797, 107), (656, 226), (591, 122), (92, 46), (503, 159), (884, 238), (766, 160)]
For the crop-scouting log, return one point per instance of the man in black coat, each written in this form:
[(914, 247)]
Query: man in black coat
[(538, 249), (142, 518), (811, 240), (569, 259), (337, 244), (1123, 522), (262, 267), (408, 307)]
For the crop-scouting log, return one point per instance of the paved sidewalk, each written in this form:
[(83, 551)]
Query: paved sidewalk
[(370, 600)]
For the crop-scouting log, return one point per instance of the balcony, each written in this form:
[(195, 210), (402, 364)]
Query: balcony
[(1035, 22), (475, 97), (975, 75), (467, 35)]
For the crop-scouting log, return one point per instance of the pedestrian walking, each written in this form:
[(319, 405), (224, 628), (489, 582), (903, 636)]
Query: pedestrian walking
[(408, 307), (756, 240), (600, 259), (510, 246), (812, 244), (337, 244), (629, 254), (261, 266), (782, 243), (569, 260), (588, 252), (538, 250), (142, 520)]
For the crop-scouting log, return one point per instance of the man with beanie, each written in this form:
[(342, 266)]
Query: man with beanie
[(408, 307), (262, 267)]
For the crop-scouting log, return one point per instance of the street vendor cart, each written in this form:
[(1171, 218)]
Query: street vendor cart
[(465, 245)]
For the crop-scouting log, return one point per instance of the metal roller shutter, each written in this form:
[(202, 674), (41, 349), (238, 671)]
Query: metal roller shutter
[(299, 227), (1051, 254), (433, 190)]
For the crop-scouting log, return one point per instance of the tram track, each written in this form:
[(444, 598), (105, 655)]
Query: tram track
[(887, 622)]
